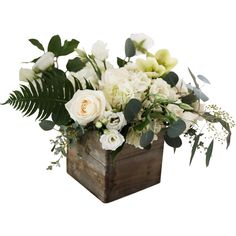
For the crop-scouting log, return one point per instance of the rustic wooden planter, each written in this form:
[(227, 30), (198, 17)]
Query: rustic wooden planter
[(133, 170)]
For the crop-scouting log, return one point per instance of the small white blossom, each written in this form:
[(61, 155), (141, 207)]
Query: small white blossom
[(44, 62)]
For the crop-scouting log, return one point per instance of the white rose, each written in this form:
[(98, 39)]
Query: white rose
[(111, 140), (189, 118), (26, 74), (99, 50), (115, 120), (175, 109), (139, 38), (44, 62), (86, 106)]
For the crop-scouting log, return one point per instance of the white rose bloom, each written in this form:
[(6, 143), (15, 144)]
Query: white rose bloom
[(175, 109), (148, 42), (189, 118), (181, 87), (26, 74), (44, 62), (115, 120), (99, 50), (111, 140), (86, 106)]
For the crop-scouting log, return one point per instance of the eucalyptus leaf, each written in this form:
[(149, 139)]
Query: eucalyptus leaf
[(200, 94), (129, 48), (37, 44), (171, 78), (194, 148), (47, 125), (176, 128), (146, 138), (131, 109), (209, 152), (189, 99), (204, 79), (173, 142)]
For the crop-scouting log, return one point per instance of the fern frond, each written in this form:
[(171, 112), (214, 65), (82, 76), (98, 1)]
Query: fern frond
[(47, 95)]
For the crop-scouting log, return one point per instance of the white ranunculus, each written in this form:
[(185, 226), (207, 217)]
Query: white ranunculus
[(115, 120), (111, 140), (44, 62), (26, 74), (189, 118), (176, 110), (86, 106), (139, 38), (99, 50)]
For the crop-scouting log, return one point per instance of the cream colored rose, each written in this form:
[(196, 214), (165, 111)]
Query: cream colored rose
[(111, 140), (44, 62), (86, 106), (176, 110)]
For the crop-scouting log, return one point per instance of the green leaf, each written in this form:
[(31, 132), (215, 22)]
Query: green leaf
[(121, 62), (47, 125), (146, 138), (74, 65), (173, 142), (129, 48), (185, 106), (140, 126), (69, 47), (54, 45), (131, 109), (37, 44), (176, 128), (209, 152), (204, 79), (189, 99), (200, 94), (171, 78), (194, 148)]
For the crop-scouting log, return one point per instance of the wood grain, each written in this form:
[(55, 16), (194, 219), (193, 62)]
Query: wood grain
[(133, 170)]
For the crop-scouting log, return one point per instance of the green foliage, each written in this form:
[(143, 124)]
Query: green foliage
[(131, 109), (173, 142), (75, 65), (146, 138), (121, 62), (48, 98), (204, 79), (47, 125), (194, 148), (171, 78), (189, 99), (58, 49), (176, 128), (209, 152), (129, 48), (37, 44), (200, 94)]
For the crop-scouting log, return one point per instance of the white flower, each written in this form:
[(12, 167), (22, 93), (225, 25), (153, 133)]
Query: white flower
[(44, 62), (189, 118), (145, 41), (111, 140), (181, 87), (86, 106), (161, 88), (26, 74), (176, 110), (115, 120), (99, 50), (199, 107)]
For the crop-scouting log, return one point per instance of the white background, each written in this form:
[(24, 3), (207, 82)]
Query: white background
[(190, 200)]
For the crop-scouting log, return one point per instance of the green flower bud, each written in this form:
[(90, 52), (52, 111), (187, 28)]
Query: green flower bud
[(98, 125), (185, 106)]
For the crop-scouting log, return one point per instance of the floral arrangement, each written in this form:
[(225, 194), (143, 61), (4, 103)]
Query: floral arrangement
[(134, 102)]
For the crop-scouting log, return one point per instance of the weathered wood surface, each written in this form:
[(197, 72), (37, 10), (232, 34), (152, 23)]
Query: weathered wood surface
[(133, 170)]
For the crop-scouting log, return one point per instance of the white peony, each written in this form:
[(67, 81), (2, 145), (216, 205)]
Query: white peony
[(115, 120), (189, 118), (111, 140), (99, 50), (26, 74), (176, 110), (86, 106), (145, 41), (44, 62)]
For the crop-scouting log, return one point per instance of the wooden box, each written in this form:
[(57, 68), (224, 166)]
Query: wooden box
[(133, 170)]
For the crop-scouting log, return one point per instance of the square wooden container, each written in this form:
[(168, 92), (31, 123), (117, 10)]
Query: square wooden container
[(133, 170)]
